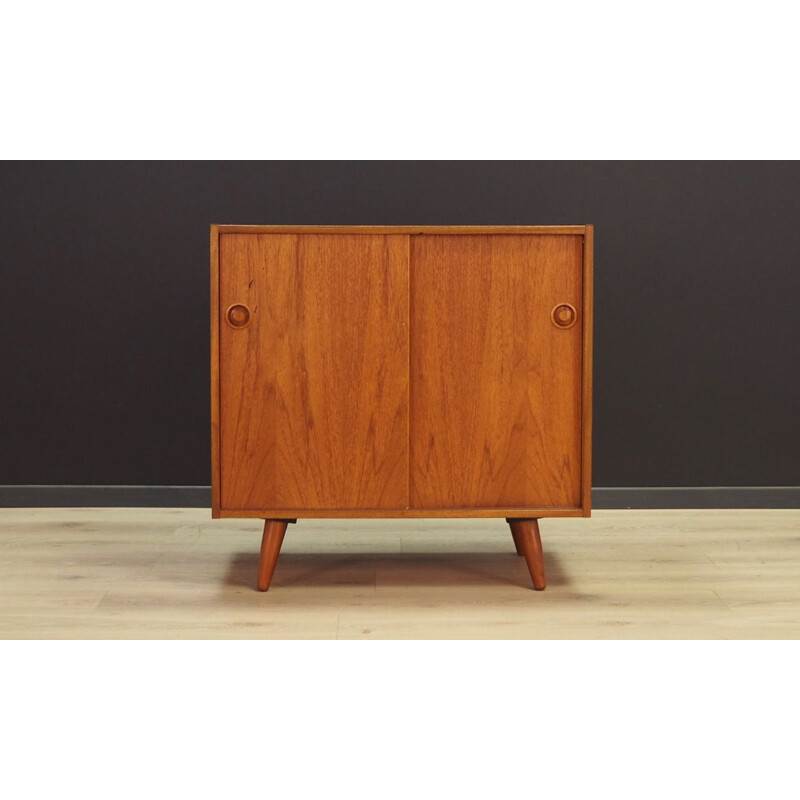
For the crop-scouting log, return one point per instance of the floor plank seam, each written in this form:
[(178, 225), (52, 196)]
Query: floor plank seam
[(727, 605), (99, 603)]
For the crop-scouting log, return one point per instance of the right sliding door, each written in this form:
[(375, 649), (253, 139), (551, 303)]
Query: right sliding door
[(495, 379)]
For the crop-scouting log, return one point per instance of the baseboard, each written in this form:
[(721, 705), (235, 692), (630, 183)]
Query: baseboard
[(696, 497), (604, 497), (105, 496)]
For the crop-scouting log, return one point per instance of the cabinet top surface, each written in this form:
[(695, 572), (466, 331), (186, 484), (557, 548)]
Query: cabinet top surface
[(407, 229)]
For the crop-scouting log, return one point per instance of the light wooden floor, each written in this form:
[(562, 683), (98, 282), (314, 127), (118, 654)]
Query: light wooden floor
[(176, 573)]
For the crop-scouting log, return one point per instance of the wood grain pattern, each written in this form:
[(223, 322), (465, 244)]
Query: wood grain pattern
[(586, 371), (259, 458), (313, 404), (495, 415)]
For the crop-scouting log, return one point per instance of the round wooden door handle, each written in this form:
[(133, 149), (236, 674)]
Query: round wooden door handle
[(564, 315), (238, 315)]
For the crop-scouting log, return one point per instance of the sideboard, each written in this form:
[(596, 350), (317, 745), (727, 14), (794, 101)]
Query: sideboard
[(401, 371)]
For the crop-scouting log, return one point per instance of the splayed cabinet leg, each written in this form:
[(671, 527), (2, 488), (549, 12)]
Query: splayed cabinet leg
[(274, 531), (527, 538), (517, 542)]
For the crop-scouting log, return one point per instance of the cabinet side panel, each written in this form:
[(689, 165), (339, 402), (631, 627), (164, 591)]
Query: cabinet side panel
[(588, 348), (214, 306), (314, 398), (495, 385)]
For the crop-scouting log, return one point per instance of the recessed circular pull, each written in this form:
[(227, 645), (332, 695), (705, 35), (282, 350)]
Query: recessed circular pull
[(238, 315), (564, 315)]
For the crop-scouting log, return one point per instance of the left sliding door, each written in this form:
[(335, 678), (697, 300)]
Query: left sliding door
[(313, 372)]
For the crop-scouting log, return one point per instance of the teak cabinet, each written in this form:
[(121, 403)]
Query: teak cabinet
[(407, 371)]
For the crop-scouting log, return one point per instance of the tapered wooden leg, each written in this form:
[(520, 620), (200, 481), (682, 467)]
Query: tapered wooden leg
[(274, 531), (515, 537), (526, 536)]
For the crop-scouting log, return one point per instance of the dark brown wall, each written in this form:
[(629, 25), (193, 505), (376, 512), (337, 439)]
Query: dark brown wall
[(104, 304)]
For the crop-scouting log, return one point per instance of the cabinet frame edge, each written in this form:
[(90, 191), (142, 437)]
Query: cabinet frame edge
[(215, 413), (409, 230), (402, 513), (586, 371)]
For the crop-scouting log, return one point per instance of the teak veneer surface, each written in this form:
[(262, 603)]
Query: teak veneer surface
[(313, 392), (495, 385), (401, 371)]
